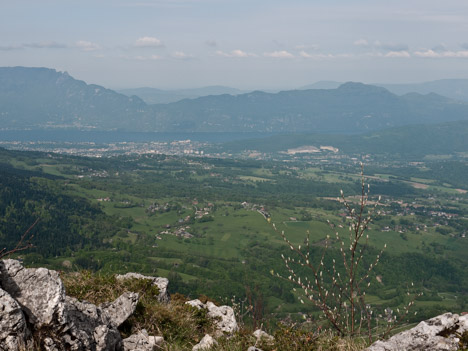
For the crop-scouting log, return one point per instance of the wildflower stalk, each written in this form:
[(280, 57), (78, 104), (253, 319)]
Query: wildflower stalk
[(340, 297)]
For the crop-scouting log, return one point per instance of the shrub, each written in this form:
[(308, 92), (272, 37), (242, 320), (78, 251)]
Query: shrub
[(337, 286)]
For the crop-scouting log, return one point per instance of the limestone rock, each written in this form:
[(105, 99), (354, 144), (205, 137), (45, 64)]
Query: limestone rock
[(119, 310), (205, 344), (88, 327), (39, 292), (142, 342), (223, 316), (253, 348), (49, 345), (438, 333), (14, 334), (160, 282), (226, 320), (68, 323), (106, 338), (196, 303), (262, 336)]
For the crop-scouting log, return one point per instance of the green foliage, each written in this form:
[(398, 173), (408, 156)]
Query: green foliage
[(65, 222)]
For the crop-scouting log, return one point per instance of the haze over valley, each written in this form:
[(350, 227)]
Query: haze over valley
[(40, 98)]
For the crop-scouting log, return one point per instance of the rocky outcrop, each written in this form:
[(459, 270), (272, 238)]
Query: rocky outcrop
[(14, 333), (223, 316), (438, 333), (205, 344), (119, 310), (33, 301), (90, 327), (142, 342), (38, 291), (262, 336), (161, 283)]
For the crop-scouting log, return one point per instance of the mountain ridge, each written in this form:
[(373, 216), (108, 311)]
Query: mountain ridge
[(456, 89), (161, 96), (41, 98)]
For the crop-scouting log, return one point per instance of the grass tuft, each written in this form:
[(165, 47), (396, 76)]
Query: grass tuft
[(183, 326)]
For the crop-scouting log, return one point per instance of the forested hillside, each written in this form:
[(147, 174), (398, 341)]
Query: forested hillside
[(65, 223)]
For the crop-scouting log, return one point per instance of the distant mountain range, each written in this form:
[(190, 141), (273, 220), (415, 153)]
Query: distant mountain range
[(37, 98), (456, 89), (452, 88), (159, 96)]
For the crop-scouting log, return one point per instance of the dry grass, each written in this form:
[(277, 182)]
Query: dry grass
[(183, 326), (179, 324)]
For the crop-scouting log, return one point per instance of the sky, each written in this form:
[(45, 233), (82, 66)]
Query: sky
[(255, 44)]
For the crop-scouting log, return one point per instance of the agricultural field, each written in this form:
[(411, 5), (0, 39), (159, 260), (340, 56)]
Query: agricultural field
[(207, 223)]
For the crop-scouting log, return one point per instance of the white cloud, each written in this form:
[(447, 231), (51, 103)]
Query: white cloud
[(148, 42), (306, 55), (279, 54), (443, 54), (235, 53), (320, 56), (87, 45), (402, 54)]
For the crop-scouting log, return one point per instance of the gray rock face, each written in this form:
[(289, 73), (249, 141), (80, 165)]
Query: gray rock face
[(39, 292), (161, 283), (142, 342), (253, 348), (88, 328), (37, 296), (122, 308), (205, 344), (196, 303), (14, 334), (223, 316), (106, 339), (438, 333)]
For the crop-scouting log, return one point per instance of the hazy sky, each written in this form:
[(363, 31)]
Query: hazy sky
[(244, 44)]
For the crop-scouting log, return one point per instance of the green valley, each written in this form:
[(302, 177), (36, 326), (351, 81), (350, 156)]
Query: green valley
[(206, 223)]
